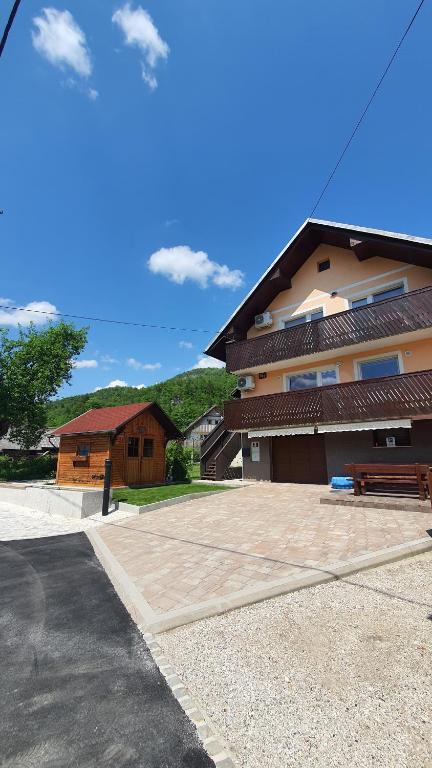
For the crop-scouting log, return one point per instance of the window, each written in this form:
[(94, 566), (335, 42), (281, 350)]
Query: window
[(383, 366), (255, 450), (371, 298), (391, 438), (133, 447), (316, 314), (323, 265), (148, 449), (83, 450), (311, 379)]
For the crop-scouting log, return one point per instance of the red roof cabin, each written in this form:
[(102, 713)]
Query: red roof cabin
[(133, 436)]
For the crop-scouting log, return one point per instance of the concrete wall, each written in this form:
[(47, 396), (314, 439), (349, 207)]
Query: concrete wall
[(67, 503), (258, 470), (357, 448)]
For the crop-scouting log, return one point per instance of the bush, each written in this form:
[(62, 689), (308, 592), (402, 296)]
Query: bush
[(37, 468), (178, 462)]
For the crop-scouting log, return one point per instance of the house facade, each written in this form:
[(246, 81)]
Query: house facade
[(333, 353), (199, 429), (133, 436)]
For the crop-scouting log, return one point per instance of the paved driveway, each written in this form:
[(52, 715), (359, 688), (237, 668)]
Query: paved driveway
[(246, 539), (79, 688)]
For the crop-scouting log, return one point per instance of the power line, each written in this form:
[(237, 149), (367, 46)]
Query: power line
[(103, 319), (363, 114), (9, 25)]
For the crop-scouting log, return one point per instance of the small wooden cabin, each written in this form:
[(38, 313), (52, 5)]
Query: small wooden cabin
[(133, 436)]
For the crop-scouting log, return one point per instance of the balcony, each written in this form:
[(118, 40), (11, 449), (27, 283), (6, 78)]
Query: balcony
[(390, 397), (391, 317)]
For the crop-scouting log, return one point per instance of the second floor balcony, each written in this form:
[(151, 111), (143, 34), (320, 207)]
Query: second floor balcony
[(407, 313), (390, 397)]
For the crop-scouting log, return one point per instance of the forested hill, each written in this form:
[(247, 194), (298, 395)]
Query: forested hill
[(184, 397)]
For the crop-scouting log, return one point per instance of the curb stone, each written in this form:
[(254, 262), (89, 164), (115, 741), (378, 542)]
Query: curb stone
[(212, 741)]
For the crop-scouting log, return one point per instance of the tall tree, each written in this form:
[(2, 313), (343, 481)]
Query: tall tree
[(33, 366)]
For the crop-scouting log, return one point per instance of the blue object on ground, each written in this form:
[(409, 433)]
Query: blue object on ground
[(342, 483)]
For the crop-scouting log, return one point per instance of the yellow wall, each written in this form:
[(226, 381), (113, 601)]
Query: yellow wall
[(312, 289), (419, 359)]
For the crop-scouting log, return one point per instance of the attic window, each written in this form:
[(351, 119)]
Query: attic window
[(323, 265)]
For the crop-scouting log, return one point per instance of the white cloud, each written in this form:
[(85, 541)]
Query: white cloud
[(33, 312), (85, 364), (208, 362), (137, 366), (140, 31), (62, 41), (92, 94), (171, 223), (186, 345), (120, 383), (181, 263)]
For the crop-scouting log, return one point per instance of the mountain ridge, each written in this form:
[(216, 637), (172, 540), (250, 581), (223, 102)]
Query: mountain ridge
[(183, 397)]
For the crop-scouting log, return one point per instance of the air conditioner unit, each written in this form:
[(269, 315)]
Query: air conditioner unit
[(263, 321), (245, 382)]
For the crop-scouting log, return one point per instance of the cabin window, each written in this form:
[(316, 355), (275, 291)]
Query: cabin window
[(83, 450), (323, 265), (148, 449), (391, 438), (133, 447), (311, 379), (371, 298), (377, 367), (316, 314)]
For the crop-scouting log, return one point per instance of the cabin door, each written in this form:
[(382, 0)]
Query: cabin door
[(133, 460)]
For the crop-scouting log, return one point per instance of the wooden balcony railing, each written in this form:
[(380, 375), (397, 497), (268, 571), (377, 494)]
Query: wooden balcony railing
[(390, 397), (410, 312)]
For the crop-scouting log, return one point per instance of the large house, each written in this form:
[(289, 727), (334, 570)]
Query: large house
[(333, 353)]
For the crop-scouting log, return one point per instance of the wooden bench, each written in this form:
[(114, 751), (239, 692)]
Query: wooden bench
[(366, 476)]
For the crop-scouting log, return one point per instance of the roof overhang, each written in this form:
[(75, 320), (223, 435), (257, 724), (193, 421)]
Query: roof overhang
[(364, 242)]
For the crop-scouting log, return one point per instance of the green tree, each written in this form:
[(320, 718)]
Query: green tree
[(33, 366)]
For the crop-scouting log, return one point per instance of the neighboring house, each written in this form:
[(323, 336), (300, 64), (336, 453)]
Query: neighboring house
[(333, 352), (133, 436), (198, 430), (47, 444)]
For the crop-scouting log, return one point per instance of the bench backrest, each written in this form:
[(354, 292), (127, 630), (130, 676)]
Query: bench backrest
[(388, 469)]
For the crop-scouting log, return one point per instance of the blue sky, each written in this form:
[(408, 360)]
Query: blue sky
[(156, 157)]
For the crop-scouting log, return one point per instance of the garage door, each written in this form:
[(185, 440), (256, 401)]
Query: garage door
[(299, 459)]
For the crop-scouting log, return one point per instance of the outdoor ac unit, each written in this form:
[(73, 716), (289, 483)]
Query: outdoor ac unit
[(245, 382), (263, 321)]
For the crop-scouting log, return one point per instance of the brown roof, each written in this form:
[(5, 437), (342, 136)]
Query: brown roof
[(363, 241), (112, 419)]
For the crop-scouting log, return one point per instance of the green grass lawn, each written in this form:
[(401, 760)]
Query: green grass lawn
[(141, 496)]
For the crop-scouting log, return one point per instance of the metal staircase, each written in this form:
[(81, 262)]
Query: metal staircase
[(217, 452)]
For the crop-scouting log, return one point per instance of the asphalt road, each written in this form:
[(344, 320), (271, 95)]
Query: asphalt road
[(79, 687)]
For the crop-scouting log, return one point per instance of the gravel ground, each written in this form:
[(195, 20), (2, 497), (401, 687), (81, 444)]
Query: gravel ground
[(23, 523), (337, 675)]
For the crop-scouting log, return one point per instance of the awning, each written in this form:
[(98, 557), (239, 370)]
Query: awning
[(281, 432), (362, 425)]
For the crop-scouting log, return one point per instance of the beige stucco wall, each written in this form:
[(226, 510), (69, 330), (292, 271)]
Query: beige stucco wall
[(312, 289), (350, 278)]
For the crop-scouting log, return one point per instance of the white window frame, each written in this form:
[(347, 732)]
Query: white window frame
[(372, 291), (296, 316), (318, 371), (382, 356)]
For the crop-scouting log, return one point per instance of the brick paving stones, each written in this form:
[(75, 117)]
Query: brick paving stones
[(211, 547)]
